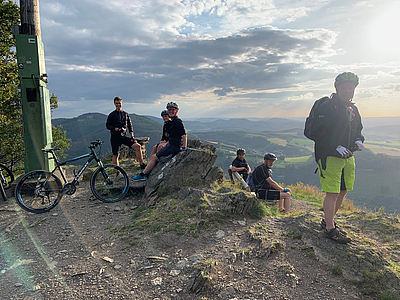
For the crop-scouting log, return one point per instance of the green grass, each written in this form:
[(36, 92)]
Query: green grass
[(297, 160)]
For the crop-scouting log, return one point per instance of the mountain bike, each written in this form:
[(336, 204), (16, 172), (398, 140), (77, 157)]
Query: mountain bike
[(6, 177), (39, 191)]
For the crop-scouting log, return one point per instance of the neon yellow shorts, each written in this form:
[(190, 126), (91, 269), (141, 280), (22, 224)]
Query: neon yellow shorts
[(338, 175)]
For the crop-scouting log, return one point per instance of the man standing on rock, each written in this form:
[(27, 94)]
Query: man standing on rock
[(118, 122), (337, 130), (267, 188), (177, 141)]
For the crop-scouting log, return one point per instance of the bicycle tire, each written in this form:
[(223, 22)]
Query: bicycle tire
[(3, 192), (38, 191), (109, 183), (6, 176)]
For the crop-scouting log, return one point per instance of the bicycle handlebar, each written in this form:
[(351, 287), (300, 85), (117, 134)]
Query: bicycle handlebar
[(96, 143)]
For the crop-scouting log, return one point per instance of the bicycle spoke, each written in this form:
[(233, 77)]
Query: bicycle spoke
[(109, 184), (38, 191)]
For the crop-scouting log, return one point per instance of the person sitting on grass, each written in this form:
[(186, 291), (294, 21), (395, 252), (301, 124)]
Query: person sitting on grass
[(267, 188), (240, 169)]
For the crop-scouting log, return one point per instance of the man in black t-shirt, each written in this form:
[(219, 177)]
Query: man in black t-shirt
[(118, 122), (177, 141), (267, 188), (240, 167)]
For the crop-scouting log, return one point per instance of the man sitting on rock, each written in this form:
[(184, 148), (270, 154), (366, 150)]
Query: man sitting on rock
[(164, 139), (267, 188), (177, 141), (240, 167)]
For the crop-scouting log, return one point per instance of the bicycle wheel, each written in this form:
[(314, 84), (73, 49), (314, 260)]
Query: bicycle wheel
[(109, 184), (6, 176), (38, 191)]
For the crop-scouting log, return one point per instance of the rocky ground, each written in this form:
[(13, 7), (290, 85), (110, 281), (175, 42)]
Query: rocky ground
[(73, 252)]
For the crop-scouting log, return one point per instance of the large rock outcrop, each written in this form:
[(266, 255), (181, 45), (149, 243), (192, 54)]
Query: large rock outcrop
[(191, 168)]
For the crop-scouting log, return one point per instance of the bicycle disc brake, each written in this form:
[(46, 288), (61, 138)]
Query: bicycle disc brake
[(69, 188)]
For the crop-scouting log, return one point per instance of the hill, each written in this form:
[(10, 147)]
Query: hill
[(88, 127), (237, 124), (376, 175)]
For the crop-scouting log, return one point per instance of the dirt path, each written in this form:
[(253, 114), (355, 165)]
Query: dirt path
[(73, 253)]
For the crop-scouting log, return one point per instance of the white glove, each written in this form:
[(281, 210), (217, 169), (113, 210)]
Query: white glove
[(342, 150), (360, 145)]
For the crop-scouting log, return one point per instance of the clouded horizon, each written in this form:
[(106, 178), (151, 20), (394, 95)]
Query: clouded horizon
[(241, 58)]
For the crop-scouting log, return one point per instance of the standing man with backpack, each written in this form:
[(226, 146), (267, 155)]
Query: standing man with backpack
[(334, 124)]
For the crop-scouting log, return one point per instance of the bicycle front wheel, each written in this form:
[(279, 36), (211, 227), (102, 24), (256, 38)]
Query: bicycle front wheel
[(109, 183), (38, 191), (6, 176)]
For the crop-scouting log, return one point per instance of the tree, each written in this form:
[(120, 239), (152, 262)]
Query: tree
[(11, 146), (59, 136)]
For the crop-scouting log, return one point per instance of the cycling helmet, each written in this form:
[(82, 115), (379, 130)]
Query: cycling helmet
[(240, 151), (172, 104), (270, 156), (164, 113), (346, 76)]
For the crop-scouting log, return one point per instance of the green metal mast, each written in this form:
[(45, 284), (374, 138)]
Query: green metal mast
[(34, 95)]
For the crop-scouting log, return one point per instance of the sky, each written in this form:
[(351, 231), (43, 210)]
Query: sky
[(219, 58)]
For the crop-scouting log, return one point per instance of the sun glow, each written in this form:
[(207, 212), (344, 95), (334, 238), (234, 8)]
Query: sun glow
[(384, 30)]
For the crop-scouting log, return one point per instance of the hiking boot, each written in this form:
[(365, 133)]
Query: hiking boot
[(143, 166), (139, 177), (323, 226), (336, 236)]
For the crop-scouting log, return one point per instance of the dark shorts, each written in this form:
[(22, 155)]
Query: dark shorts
[(269, 194), (117, 141), (167, 150)]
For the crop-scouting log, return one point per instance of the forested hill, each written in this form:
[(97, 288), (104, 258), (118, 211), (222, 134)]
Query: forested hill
[(91, 126)]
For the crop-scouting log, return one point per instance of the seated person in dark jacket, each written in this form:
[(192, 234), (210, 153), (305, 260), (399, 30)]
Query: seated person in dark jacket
[(267, 188), (240, 167), (164, 139)]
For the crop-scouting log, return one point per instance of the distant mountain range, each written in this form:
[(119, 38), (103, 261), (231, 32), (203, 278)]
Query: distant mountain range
[(87, 127)]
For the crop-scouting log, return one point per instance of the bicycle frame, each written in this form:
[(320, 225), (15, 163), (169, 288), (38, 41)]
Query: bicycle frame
[(91, 156)]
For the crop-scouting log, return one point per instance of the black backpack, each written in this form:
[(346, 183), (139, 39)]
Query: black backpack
[(310, 127)]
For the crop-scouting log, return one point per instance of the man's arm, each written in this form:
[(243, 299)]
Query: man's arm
[(184, 141), (274, 185), (236, 169), (129, 125)]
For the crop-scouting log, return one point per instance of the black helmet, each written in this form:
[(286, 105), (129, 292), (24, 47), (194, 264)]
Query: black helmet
[(346, 77), (164, 113), (240, 151), (270, 156), (172, 104)]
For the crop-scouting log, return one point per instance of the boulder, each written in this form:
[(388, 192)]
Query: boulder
[(193, 167), (127, 152)]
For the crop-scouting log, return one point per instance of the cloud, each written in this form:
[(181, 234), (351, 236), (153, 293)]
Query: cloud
[(222, 92)]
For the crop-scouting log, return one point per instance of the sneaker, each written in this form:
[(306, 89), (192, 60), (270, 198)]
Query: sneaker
[(323, 226), (336, 236), (139, 177), (143, 166)]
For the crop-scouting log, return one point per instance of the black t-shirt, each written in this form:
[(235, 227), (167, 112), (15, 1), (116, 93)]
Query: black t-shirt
[(164, 132), (260, 174), (175, 130), (239, 163)]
